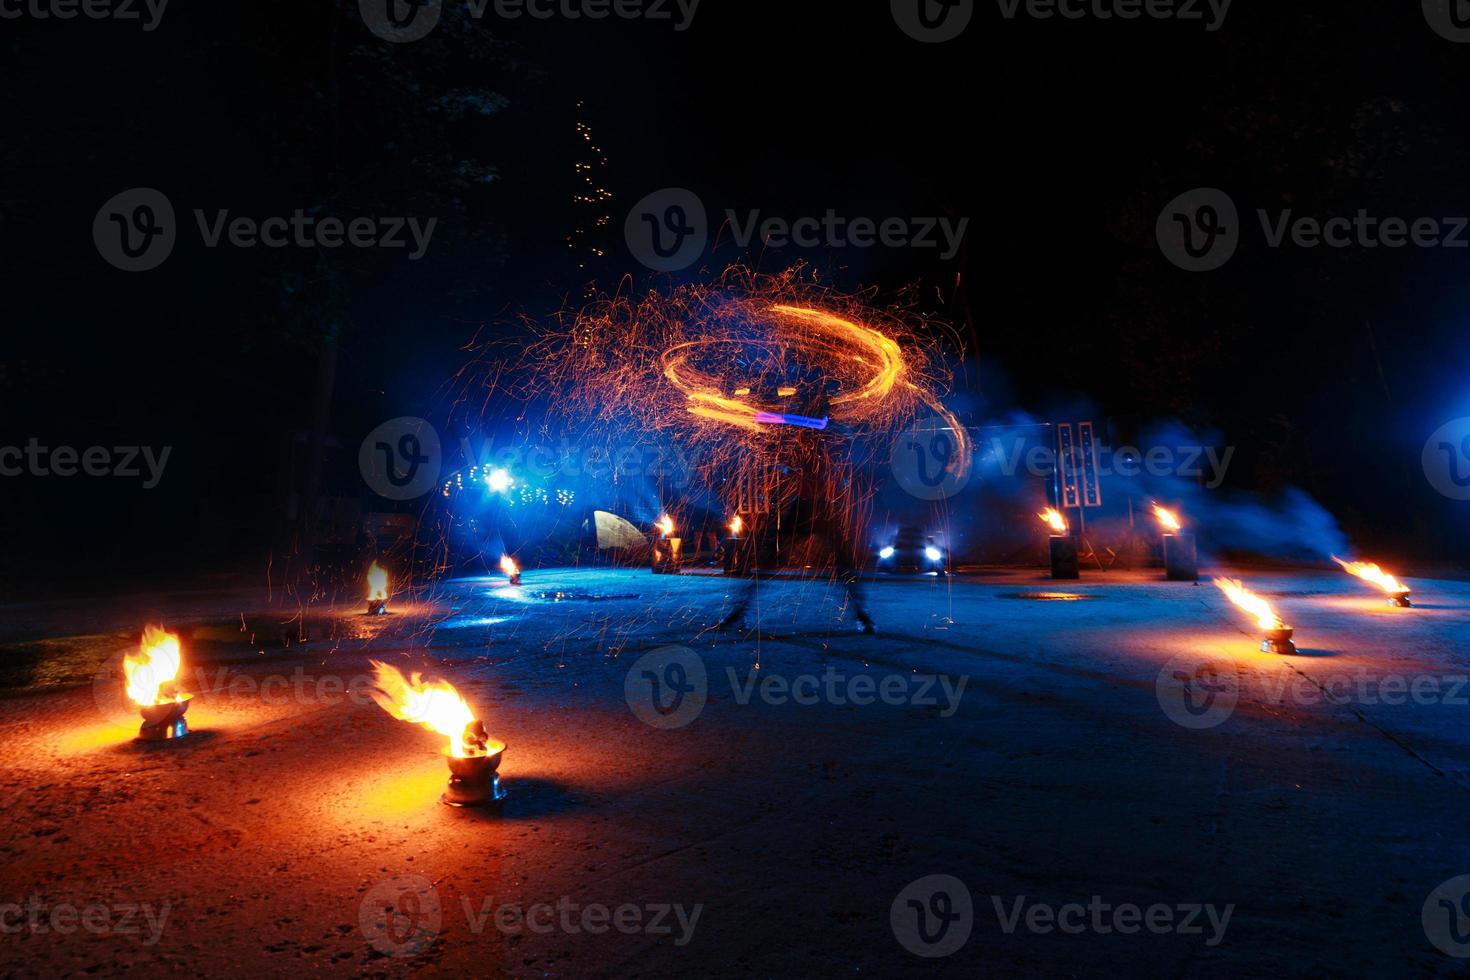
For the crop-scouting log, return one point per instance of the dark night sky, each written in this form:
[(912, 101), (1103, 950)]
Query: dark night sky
[(1061, 142)]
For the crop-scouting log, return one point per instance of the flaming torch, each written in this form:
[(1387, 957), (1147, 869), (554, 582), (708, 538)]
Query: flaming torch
[(1277, 635), (474, 757), (152, 678), (1181, 553), (377, 599), (666, 556), (737, 557), (511, 569), (1398, 592), (1064, 562)]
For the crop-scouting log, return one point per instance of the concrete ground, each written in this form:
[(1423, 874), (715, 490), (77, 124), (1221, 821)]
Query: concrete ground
[(1106, 775)]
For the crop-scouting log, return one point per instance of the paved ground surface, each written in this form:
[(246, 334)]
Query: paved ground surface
[(298, 828)]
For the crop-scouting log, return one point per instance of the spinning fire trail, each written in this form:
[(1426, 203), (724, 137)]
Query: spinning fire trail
[(782, 385)]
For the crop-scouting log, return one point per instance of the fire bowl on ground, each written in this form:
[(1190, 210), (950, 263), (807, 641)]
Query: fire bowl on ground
[(475, 781), (162, 722), (1279, 641)]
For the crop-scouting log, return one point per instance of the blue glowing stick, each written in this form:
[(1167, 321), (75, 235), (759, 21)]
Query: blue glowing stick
[(771, 418)]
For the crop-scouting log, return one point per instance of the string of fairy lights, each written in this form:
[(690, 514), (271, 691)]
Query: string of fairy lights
[(590, 198)]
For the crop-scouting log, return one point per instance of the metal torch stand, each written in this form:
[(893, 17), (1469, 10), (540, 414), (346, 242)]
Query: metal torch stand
[(1181, 558), (1064, 560)]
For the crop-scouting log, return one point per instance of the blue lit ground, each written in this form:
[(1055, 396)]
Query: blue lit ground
[(1326, 823)]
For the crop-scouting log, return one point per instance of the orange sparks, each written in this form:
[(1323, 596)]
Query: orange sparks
[(1054, 519), (435, 705), (1266, 617), (1369, 572), (762, 374), (152, 673), (1168, 519), (377, 579)]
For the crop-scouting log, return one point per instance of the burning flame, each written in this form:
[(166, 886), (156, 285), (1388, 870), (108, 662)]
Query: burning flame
[(666, 525), (153, 671), (435, 705), (377, 578), (509, 567), (1055, 519), (1369, 572), (736, 524), (1168, 519), (1266, 617)]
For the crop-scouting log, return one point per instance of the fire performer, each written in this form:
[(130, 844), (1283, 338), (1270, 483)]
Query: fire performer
[(822, 492), (764, 375)]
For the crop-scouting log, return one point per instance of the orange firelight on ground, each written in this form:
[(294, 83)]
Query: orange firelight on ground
[(435, 705), (1369, 572), (152, 673), (666, 525), (377, 579), (1266, 617), (1168, 519), (1054, 519), (736, 525)]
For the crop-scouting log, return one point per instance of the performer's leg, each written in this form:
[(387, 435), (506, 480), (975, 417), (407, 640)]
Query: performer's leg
[(849, 570)]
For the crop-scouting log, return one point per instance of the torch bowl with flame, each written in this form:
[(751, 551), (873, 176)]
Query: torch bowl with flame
[(668, 552), (1397, 592), (1065, 563), (1181, 552), (377, 599), (152, 676), (474, 757), (511, 569), (1276, 635), (474, 780)]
